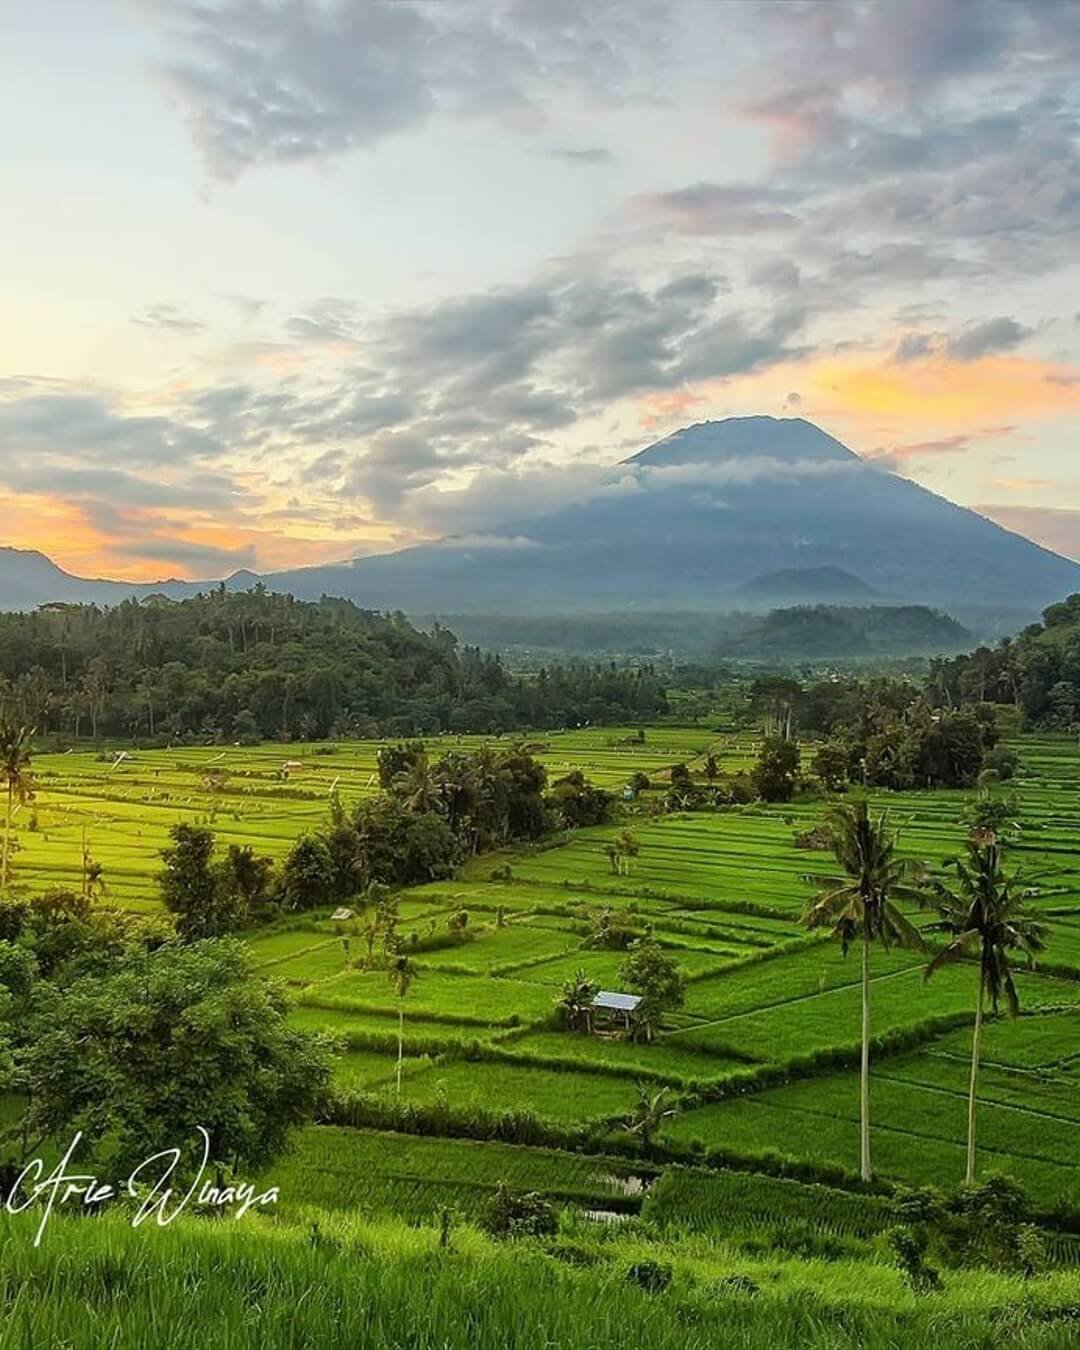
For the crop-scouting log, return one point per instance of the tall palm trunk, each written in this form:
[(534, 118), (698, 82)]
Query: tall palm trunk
[(976, 1046), (400, 1040), (864, 1072), (7, 837)]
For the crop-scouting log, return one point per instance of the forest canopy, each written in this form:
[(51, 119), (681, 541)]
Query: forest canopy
[(256, 665), (1038, 671)]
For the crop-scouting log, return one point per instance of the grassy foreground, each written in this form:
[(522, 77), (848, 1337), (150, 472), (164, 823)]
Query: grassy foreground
[(224, 1283)]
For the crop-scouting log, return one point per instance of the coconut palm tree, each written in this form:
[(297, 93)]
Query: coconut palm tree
[(859, 905), (416, 786), (15, 775), (455, 780), (986, 919), (402, 972)]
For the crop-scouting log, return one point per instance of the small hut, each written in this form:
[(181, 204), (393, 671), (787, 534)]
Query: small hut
[(613, 1014)]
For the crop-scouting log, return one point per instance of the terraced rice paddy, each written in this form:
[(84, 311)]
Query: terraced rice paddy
[(373, 1172), (694, 1200), (721, 892), (1029, 1120), (125, 800)]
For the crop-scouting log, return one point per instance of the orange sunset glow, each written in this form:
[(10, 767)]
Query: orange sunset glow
[(333, 321), (949, 395)]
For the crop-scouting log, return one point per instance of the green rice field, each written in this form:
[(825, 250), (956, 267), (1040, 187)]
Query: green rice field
[(126, 799), (722, 893)]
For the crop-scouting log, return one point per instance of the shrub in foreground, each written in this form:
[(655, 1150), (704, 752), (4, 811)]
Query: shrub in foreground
[(510, 1213)]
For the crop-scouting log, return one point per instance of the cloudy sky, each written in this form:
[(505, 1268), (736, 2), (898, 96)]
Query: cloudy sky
[(287, 281)]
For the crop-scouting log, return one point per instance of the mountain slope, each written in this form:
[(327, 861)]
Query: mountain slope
[(28, 579), (686, 521), (787, 440), (814, 585)]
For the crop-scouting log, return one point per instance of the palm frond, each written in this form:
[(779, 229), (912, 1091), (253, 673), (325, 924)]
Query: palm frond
[(957, 950), (1011, 996), (899, 928), (823, 881), (830, 905)]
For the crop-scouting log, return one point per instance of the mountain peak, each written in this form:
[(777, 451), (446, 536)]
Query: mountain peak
[(789, 439)]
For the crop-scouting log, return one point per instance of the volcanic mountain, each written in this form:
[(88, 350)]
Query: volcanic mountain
[(702, 519), (719, 516)]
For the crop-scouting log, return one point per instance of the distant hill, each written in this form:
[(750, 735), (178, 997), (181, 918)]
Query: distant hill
[(795, 633), (684, 524), (811, 586), (29, 579), (529, 639), (833, 632)]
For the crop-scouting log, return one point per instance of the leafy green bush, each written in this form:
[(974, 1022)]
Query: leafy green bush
[(514, 1214), (652, 1276), (909, 1248)]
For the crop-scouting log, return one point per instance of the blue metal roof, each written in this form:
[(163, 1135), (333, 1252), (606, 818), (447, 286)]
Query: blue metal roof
[(617, 1002)]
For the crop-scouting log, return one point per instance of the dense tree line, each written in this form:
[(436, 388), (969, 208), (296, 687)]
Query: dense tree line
[(428, 818), (880, 732), (256, 665), (1038, 671)]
